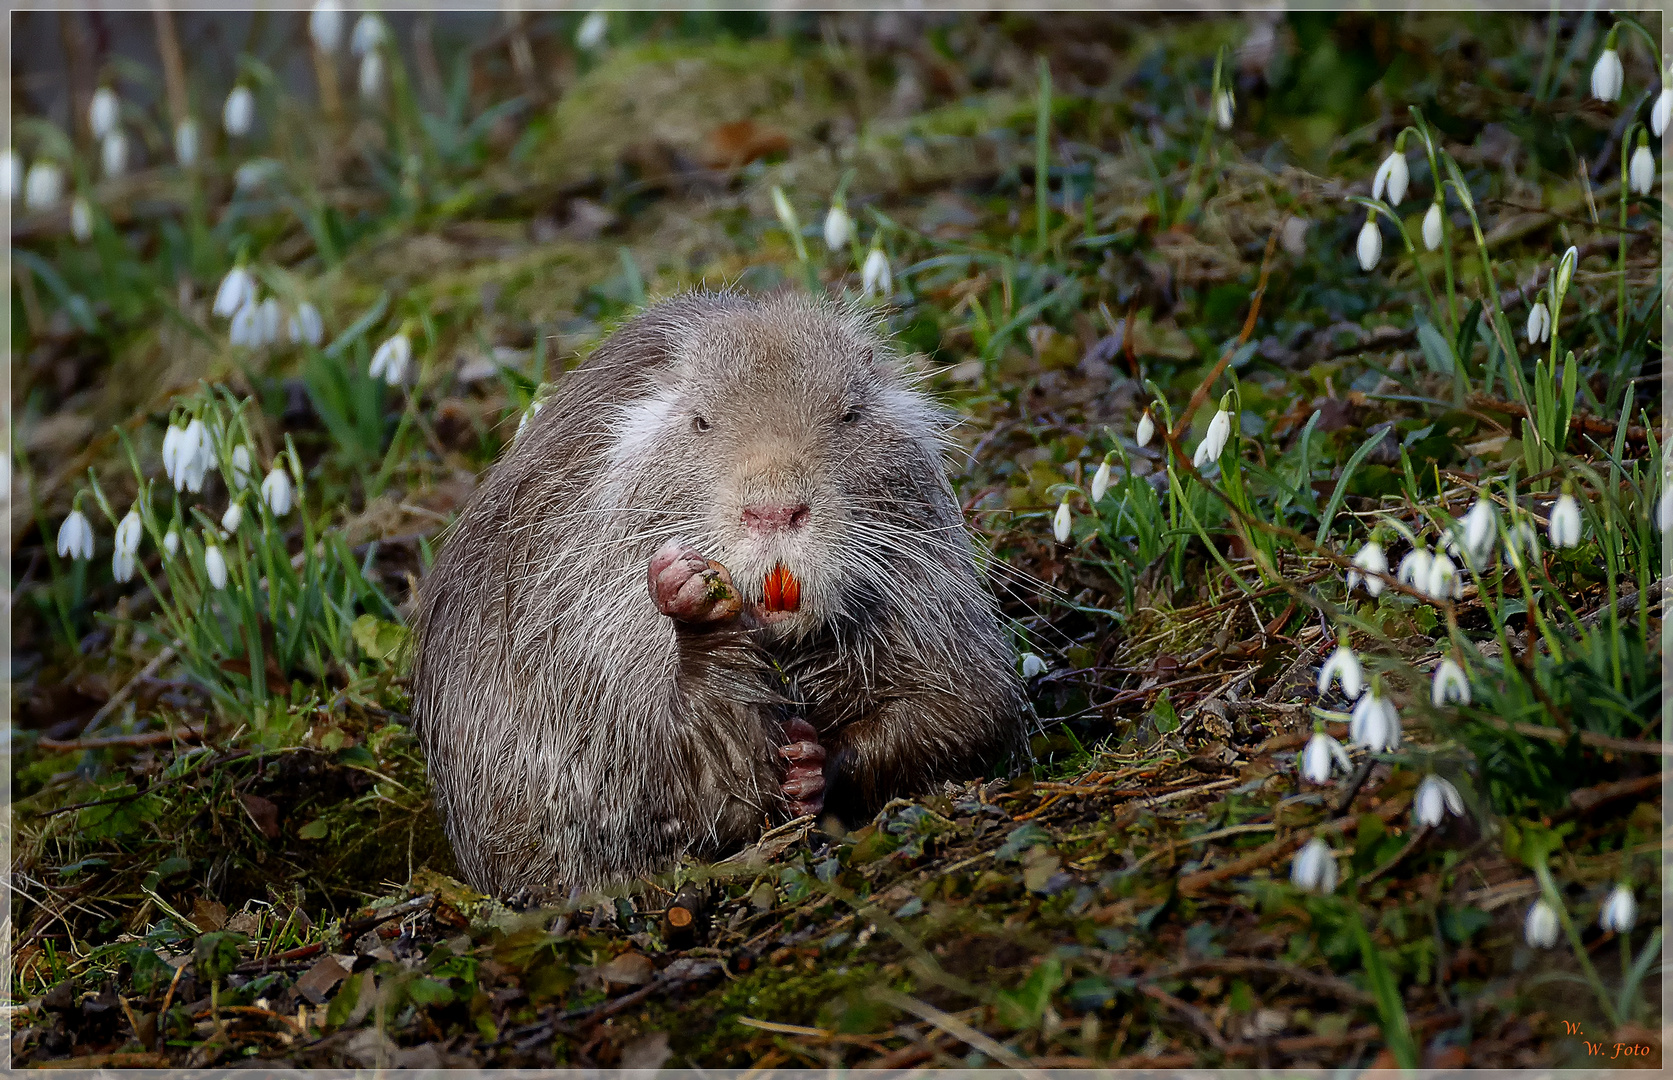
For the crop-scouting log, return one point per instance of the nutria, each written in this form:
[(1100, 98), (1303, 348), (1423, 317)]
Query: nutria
[(720, 577)]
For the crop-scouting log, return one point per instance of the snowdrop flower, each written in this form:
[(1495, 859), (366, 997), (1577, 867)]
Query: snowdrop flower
[(246, 326), (1451, 685), (1607, 74), (171, 541), (1321, 756), (1662, 111), (269, 319), (81, 219), (233, 518), (1641, 171), (1414, 569), (1214, 440), (186, 142), (1539, 323), (1370, 244), (1032, 665), (325, 26), (215, 566), (306, 325), (1540, 927), (104, 112), (173, 440), (237, 290), (1147, 428), (113, 154), (1101, 480), (1342, 666), (75, 536), (1225, 106), (129, 531), (875, 279), (1443, 578), (1481, 528), (590, 35), (43, 186), (195, 457), (1392, 177), (1436, 797), (241, 466), (1521, 542), (367, 35), (1432, 227), (838, 227), (1372, 561), (11, 172), (1565, 270), (1565, 522), (1620, 910), (1060, 522), (276, 491), (123, 564), (1374, 723), (390, 361), (371, 75), (238, 115), (1314, 868)]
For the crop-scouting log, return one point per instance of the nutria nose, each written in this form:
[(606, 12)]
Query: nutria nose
[(765, 519)]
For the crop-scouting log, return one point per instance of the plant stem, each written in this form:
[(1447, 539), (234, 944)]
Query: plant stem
[(1549, 888)]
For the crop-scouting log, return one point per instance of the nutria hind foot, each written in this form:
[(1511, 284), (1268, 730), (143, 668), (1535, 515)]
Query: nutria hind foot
[(804, 778), (691, 588)]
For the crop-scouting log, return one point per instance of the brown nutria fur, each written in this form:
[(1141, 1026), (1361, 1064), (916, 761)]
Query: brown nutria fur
[(720, 576)]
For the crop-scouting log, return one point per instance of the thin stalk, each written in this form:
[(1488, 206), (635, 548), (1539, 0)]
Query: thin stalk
[(1621, 250)]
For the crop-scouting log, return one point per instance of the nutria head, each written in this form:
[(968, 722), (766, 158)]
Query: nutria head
[(785, 440)]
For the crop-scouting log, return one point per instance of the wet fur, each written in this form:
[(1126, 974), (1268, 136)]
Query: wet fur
[(578, 736)]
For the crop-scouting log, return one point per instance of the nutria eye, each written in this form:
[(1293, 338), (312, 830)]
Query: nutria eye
[(699, 424), (850, 416)]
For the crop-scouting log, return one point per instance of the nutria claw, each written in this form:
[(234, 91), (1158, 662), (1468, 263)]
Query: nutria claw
[(804, 779), (688, 587)]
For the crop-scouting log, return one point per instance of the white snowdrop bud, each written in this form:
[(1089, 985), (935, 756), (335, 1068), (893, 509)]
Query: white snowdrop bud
[(875, 279), (186, 143), (1147, 428), (1314, 868), (276, 491), (215, 566), (1370, 247), (237, 289), (238, 115), (171, 541), (123, 564), (113, 154), (270, 317), (1607, 76), (1481, 529), (233, 518), (1641, 170), (43, 186), (1101, 481), (306, 325), (371, 75), (1374, 723), (11, 173), (1392, 178), (367, 35), (241, 467), (1662, 110), (1342, 666), (1565, 269), (391, 359), (1414, 569), (1539, 323), (1225, 108), (1451, 685), (1432, 234), (246, 326), (1214, 440), (1436, 797), (196, 456), (104, 112), (590, 34), (75, 536), (81, 219), (1061, 522), (1565, 522), (1372, 561), (1443, 579), (1321, 756), (1620, 910), (838, 227), (1540, 926), (128, 532), (325, 26), (1032, 665)]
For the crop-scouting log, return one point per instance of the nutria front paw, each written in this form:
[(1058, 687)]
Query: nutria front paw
[(688, 587), (804, 778)]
